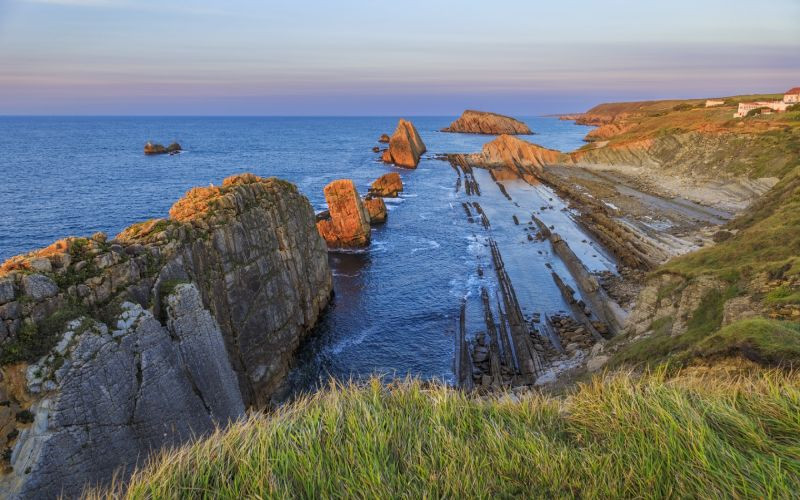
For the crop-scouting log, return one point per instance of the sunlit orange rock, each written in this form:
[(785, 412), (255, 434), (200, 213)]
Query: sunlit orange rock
[(348, 222), (482, 122), (376, 209), (387, 185), (405, 146)]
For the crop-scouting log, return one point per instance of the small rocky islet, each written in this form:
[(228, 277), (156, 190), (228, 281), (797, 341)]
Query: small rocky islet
[(151, 148)]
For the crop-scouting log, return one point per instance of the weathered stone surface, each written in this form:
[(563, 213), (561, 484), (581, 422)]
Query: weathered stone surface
[(120, 394), (7, 290), (387, 185), (596, 363), (38, 286), (376, 209), (514, 154), (482, 122), (384, 138), (231, 283), (348, 225), (405, 146)]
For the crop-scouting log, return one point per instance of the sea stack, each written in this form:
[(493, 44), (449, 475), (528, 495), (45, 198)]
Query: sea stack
[(405, 146), (482, 122), (387, 185), (347, 223)]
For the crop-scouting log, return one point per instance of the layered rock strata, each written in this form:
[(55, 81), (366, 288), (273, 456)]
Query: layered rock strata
[(482, 122), (113, 349), (405, 146), (376, 208)]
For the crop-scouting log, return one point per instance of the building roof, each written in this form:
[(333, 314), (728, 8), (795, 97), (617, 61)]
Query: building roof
[(795, 90)]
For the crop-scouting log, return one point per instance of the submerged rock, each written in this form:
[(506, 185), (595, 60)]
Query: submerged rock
[(405, 146), (376, 209), (172, 328), (482, 122), (348, 222), (387, 186)]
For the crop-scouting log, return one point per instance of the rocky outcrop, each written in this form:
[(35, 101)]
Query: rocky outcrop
[(347, 221), (521, 157), (384, 138), (481, 122), (113, 349), (158, 149), (387, 186), (405, 146), (376, 209)]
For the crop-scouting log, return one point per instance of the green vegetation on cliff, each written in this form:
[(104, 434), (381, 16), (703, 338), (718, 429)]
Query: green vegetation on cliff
[(697, 435)]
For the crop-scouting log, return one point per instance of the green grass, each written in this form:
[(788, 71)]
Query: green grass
[(761, 340), (697, 436)]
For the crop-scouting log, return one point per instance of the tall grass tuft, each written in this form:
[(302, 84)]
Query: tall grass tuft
[(708, 436)]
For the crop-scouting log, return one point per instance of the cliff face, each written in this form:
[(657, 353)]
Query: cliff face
[(481, 122), (405, 146), (113, 349)]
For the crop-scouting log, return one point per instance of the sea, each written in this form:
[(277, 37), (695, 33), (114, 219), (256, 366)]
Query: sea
[(396, 306)]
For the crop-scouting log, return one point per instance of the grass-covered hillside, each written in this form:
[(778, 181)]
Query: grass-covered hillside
[(691, 436)]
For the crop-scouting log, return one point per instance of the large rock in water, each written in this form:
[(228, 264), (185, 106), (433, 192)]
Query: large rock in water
[(155, 337), (482, 122), (347, 225), (387, 186), (405, 146), (376, 209), (512, 153)]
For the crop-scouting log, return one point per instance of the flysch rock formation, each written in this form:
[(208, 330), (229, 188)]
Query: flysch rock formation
[(405, 146), (111, 350), (387, 186), (512, 153), (346, 224), (482, 122)]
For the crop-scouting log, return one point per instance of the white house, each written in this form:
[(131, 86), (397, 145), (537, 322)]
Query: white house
[(710, 103), (792, 96), (746, 107)]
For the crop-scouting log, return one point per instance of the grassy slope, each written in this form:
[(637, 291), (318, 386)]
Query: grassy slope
[(766, 249), (617, 437)]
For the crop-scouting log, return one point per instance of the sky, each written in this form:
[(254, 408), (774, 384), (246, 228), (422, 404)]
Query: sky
[(413, 57)]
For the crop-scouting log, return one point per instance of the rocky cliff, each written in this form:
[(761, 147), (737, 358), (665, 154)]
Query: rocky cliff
[(482, 122), (113, 349), (405, 146)]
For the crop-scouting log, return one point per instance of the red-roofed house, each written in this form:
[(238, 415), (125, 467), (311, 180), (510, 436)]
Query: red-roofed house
[(792, 96)]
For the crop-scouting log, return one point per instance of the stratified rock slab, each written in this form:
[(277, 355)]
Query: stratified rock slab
[(482, 122), (376, 209)]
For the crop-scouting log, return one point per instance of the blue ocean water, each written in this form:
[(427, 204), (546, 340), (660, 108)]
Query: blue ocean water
[(395, 306)]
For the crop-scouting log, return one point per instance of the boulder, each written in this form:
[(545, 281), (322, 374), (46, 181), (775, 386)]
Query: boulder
[(387, 185), (348, 225), (482, 122), (405, 146), (376, 209), (384, 139)]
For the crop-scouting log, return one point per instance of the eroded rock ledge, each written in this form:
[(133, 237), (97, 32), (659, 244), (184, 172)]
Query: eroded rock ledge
[(482, 122), (113, 349)]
